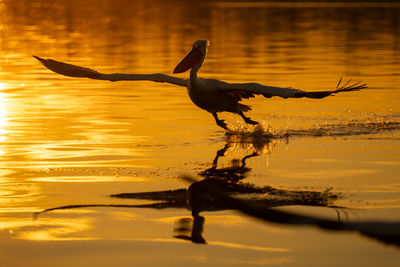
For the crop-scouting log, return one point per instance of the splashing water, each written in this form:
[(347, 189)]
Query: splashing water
[(265, 132)]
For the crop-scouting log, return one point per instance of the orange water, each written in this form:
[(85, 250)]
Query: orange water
[(69, 141)]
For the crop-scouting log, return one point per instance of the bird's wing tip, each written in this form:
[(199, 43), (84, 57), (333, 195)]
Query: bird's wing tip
[(39, 58), (68, 69)]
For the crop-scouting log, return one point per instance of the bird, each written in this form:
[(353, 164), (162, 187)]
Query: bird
[(211, 95)]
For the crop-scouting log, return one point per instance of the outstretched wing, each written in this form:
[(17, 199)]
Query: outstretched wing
[(247, 90), (78, 71)]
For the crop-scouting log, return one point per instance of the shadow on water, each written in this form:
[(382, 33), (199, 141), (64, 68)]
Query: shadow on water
[(223, 188), (386, 232)]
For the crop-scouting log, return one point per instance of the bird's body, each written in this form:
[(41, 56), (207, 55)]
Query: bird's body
[(209, 94), (205, 94)]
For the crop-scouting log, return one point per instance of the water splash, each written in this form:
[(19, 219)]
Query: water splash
[(263, 132), (350, 128)]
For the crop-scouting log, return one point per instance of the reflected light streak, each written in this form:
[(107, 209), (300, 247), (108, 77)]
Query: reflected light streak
[(47, 236), (48, 229), (215, 243), (3, 116), (240, 246), (85, 179), (13, 195)]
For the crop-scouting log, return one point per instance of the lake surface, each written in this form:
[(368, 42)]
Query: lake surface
[(73, 143)]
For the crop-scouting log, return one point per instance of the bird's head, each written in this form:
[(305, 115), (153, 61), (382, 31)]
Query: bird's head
[(193, 57)]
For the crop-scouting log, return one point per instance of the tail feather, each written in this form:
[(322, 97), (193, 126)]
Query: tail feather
[(344, 88)]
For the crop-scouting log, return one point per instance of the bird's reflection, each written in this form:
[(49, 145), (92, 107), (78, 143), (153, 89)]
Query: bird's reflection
[(386, 232), (198, 198), (223, 188), (229, 181)]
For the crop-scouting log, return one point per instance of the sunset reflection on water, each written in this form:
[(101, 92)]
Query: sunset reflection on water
[(69, 141)]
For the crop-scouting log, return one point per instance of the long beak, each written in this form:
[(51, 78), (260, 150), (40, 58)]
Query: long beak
[(189, 60)]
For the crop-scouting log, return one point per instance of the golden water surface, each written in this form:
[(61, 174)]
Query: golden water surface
[(69, 141)]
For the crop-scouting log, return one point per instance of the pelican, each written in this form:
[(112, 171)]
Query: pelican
[(209, 94)]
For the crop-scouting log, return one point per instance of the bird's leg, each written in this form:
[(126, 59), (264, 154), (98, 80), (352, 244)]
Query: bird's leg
[(220, 153), (219, 122), (247, 119)]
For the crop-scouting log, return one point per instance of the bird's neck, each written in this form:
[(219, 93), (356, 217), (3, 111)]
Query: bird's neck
[(195, 69), (193, 73)]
